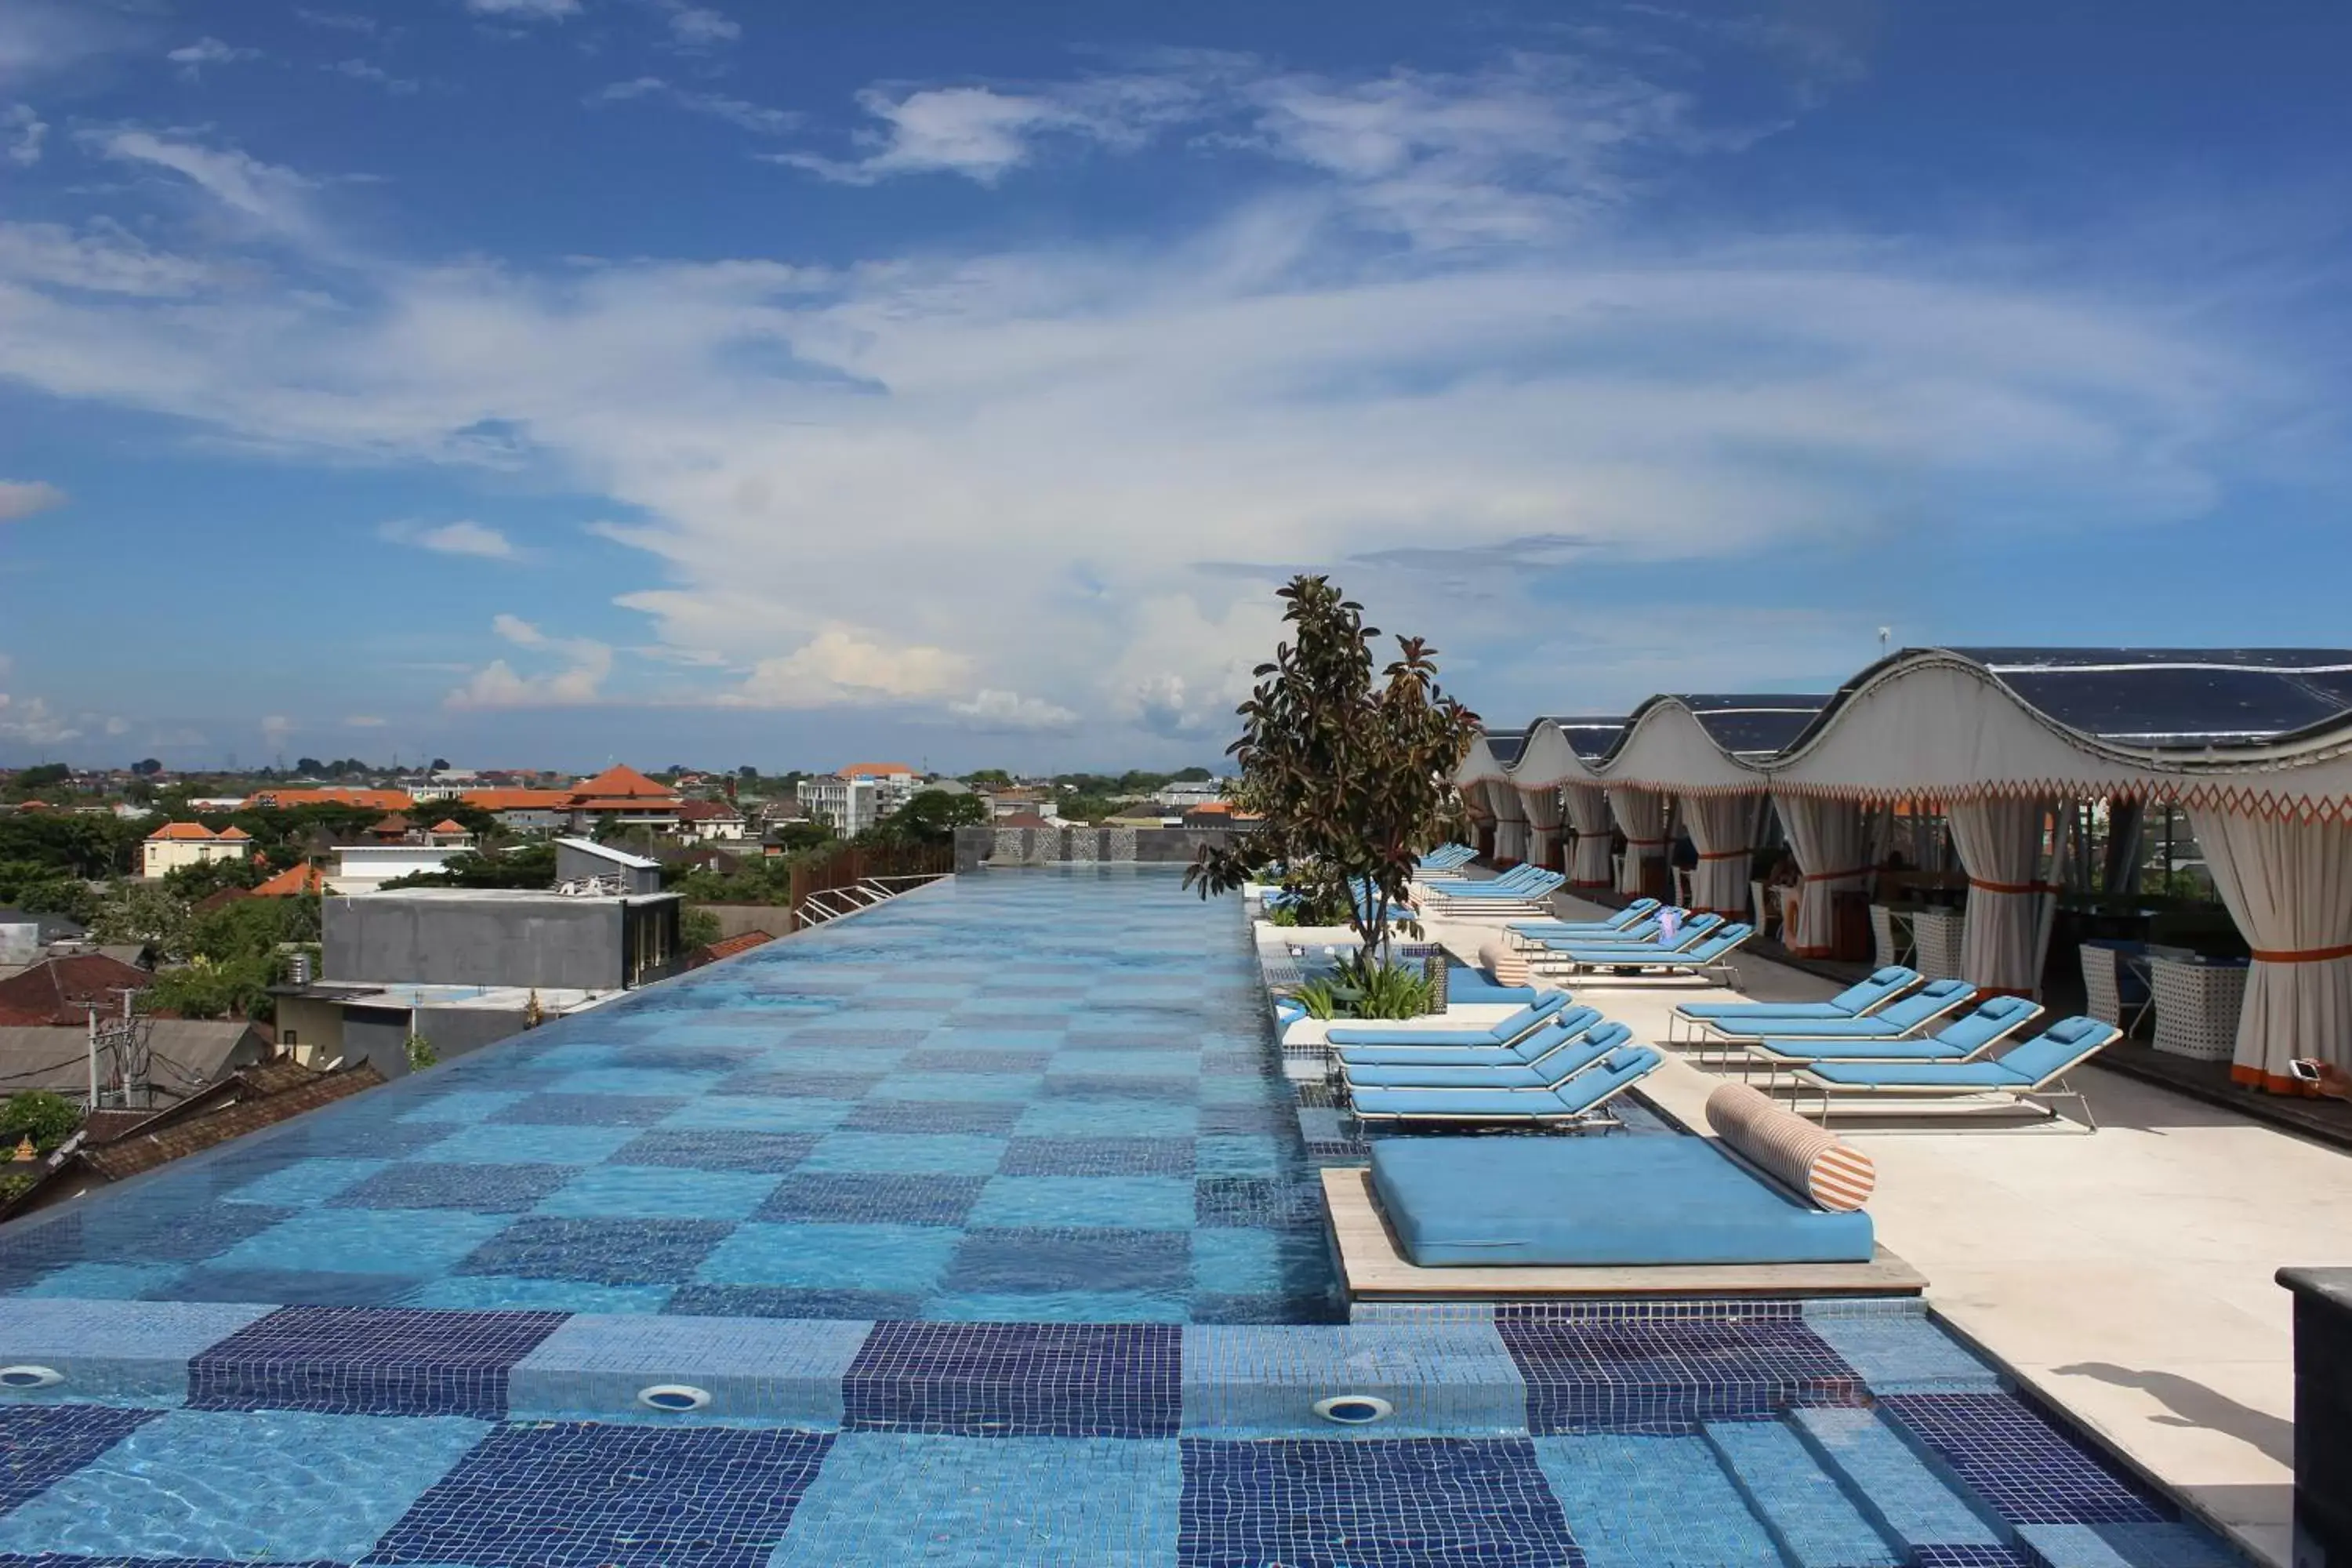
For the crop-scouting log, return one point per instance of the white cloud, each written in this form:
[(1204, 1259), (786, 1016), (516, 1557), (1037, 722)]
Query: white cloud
[(844, 664), (970, 131), (518, 631), (275, 728), (364, 722), (700, 26), (364, 71), (463, 537), (527, 10), (116, 725), (1009, 711), (191, 58), (736, 112), (39, 37), (30, 721), (104, 259), (22, 497), (275, 198), (925, 478), (586, 665), (24, 132), (341, 21)]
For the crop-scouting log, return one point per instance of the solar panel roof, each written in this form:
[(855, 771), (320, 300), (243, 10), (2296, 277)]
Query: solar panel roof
[(2186, 698), (1587, 735), (1753, 724)]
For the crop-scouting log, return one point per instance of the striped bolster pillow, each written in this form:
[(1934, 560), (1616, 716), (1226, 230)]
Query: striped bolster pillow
[(1506, 963), (1809, 1158)]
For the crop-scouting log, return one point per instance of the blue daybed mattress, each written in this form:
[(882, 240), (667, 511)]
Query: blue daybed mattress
[(1629, 1200), (1466, 984)]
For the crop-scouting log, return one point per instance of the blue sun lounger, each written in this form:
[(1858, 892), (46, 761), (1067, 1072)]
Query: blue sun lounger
[(1500, 1033), (1533, 893), (1622, 922), (1516, 877), (1561, 1027), (1855, 1001), (1576, 1103), (1692, 932), (1563, 1061), (1967, 1037), (1448, 857), (2032, 1074), (1905, 1016), (1709, 960)]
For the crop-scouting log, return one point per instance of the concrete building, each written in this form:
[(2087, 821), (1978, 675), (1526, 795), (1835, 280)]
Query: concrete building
[(525, 810), (346, 1023), (180, 843), (581, 861), (500, 937), (364, 867), (859, 795)]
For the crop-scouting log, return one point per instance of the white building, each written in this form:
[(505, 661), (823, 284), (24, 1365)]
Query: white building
[(364, 867), (1183, 796), (180, 843), (859, 795), (706, 820)]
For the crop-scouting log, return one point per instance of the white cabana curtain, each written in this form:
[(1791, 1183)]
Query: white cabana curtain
[(1510, 827), (2288, 884), (1587, 809), (1542, 806), (1722, 828), (1642, 814), (1830, 841), (2008, 892)]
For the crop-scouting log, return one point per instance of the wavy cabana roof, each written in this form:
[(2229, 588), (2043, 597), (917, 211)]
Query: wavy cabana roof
[(2264, 729), (1491, 755), (1563, 749)]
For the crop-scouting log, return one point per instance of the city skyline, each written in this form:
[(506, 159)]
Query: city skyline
[(559, 380)]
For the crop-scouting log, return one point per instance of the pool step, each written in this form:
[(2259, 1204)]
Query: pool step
[(1905, 1499), (1804, 1507)]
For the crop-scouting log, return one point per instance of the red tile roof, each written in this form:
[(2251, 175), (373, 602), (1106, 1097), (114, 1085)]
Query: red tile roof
[(373, 799), (292, 881), (872, 770), (54, 989), (621, 782), (447, 825), (517, 799), (182, 830), (705, 811)]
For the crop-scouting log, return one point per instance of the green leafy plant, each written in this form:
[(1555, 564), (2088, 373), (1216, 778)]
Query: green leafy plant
[(421, 1054), (1352, 776), (1389, 991), (49, 1119), (1320, 997), (699, 928)]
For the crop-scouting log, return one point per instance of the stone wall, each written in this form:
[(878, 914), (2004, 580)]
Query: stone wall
[(979, 847)]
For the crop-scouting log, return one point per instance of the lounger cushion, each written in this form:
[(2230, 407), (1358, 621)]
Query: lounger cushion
[(1495, 1034), (1579, 1098), (1562, 1028), (1567, 1057), (1633, 1200), (1846, 1004), (1470, 986)]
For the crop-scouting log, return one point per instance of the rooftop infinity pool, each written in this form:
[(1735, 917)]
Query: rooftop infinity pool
[(1035, 1098)]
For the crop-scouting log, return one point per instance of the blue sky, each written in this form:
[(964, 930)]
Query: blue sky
[(560, 380)]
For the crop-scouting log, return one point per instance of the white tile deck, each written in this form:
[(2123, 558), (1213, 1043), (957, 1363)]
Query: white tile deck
[(2127, 1276)]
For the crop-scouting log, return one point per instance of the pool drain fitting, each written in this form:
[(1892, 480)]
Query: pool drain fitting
[(1354, 1409), (673, 1397), (30, 1377)]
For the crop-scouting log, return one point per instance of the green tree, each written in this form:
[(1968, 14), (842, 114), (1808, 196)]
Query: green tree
[(929, 817), (697, 928), (311, 766), (146, 767), (521, 865), (987, 778), (1352, 776), (790, 837), (45, 775), (49, 1119), (143, 913)]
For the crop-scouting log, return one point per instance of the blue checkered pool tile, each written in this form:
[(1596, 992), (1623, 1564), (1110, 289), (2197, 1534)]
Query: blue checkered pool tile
[(1898, 1351), (371, 1362), (2011, 1456), (1605, 1369), (576, 1495), (1909, 1502), (42, 1444), (1805, 1508), (594, 1367), (244, 1485), (1636, 1501), (1417, 1501), (1054, 1380), (909, 1500)]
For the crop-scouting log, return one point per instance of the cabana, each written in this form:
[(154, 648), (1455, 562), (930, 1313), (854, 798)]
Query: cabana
[(1555, 779), (1703, 752), (2254, 743), (1485, 783)]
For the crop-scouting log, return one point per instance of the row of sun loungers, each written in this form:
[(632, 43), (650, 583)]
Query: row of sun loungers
[(1871, 1043), (1550, 1065)]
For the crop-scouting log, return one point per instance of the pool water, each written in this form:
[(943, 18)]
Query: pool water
[(1027, 1097)]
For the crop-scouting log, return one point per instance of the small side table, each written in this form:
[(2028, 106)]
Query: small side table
[(2197, 1004)]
